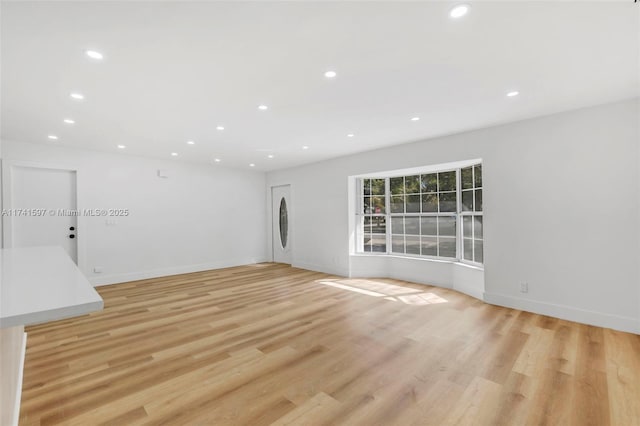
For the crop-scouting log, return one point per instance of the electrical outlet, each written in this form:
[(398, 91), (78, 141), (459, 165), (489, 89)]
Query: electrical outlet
[(97, 269), (524, 287)]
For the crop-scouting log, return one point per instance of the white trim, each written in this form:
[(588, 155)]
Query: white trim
[(6, 190), (23, 353), (321, 268), (600, 319), (453, 261), (443, 167), (165, 272)]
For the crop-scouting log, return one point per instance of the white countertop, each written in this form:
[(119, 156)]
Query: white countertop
[(41, 284)]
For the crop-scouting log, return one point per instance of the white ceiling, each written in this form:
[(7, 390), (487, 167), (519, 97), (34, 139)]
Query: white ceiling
[(173, 71)]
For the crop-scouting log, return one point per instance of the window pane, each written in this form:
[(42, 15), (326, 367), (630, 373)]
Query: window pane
[(466, 226), (477, 227), (447, 226), (397, 225), (477, 245), (412, 225), (429, 203), (379, 243), (377, 205), (413, 245), (413, 203), (397, 204), (467, 201), (430, 182), (429, 246), (447, 181), (366, 186), (478, 200), (367, 224), (448, 202), (412, 184), (478, 175), (367, 242), (446, 247), (468, 248), (429, 225), (378, 224), (366, 205), (396, 185), (466, 178), (377, 187), (397, 244)]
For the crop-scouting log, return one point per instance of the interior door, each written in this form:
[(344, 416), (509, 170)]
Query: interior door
[(281, 223), (42, 208)]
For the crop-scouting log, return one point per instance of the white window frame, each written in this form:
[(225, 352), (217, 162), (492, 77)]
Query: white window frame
[(458, 214)]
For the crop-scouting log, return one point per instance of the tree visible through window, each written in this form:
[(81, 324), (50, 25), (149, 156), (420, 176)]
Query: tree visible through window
[(374, 218)]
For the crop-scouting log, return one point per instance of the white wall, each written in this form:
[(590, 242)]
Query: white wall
[(0, 193), (561, 206), (201, 217)]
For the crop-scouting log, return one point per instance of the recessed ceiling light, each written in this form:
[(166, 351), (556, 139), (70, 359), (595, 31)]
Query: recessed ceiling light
[(217, 160), (174, 154), (77, 96), (305, 147), (270, 156), (330, 74), (190, 143), (121, 146), (69, 121), (263, 107), (220, 128), (252, 165), (415, 119), (513, 93), (53, 137), (459, 11), (94, 55)]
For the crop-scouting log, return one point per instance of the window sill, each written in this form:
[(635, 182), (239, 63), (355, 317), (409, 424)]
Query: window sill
[(420, 259)]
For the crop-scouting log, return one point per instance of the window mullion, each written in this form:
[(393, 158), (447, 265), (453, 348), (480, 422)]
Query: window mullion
[(458, 216), (387, 207)]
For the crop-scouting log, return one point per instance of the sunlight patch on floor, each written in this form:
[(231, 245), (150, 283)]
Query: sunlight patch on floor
[(394, 293)]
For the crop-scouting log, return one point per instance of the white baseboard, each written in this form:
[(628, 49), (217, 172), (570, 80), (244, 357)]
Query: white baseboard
[(321, 268), (600, 319), (164, 272), (468, 289)]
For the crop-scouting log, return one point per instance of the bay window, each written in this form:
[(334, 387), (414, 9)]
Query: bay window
[(436, 214)]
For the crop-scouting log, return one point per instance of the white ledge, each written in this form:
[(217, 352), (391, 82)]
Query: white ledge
[(41, 284), (421, 259)]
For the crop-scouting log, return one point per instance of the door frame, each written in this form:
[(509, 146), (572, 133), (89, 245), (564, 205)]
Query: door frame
[(289, 220), (7, 203)]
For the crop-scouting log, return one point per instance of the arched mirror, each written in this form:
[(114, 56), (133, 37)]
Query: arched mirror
[(284, 223)]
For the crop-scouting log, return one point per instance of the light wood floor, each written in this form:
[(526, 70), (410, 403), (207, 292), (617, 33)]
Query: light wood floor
[(270, 344)]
